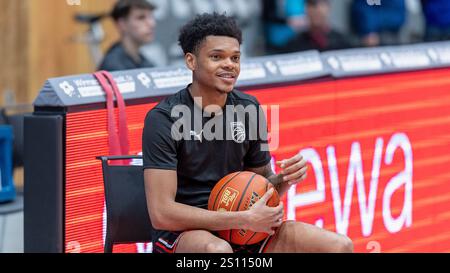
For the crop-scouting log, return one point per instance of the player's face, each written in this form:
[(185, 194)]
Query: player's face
[(319, 15), (217, 63), (139, 25)]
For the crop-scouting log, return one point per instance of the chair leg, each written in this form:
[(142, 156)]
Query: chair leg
[(108, 246)]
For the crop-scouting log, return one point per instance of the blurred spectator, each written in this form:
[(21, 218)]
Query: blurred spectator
[(375, 23), (320, 34), (437, 17), (283, 19), (136, 24)]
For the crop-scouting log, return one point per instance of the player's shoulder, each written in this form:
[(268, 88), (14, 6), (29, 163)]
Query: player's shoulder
[(242, 98), (164, 108)]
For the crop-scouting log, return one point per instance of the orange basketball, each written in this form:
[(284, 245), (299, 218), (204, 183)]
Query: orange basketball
[(238, 192)]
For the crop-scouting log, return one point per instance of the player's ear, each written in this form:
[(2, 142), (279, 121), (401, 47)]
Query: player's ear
[(191, 61)]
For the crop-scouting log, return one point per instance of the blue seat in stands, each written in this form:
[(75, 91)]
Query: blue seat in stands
[(7, 189)]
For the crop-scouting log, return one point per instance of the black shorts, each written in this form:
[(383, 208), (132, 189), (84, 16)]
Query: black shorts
[(167, 241)]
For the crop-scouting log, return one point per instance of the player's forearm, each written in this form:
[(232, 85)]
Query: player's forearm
[(180, 217), (280, 186)]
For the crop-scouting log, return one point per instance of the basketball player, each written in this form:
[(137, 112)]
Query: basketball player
[(180, 173)]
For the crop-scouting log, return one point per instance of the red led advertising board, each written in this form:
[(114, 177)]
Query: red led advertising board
[(378, 152)]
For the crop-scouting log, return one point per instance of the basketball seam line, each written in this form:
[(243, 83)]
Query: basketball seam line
[(254, 233), (242, 197)]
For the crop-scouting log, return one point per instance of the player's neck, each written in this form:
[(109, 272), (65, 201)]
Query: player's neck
[(209, 97), (132, 49)]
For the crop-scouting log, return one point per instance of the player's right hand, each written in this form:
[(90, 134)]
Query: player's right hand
[(262, 218)]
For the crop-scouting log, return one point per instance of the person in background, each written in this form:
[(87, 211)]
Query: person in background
[(283, 20), (437, 17), (136, 25), (320, 35), (375, 23)]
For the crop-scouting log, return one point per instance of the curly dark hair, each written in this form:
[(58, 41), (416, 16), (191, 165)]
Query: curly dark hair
[(195, 31)]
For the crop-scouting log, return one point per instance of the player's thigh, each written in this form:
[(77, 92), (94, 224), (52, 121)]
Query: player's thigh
[(202, 241), (297, 237)]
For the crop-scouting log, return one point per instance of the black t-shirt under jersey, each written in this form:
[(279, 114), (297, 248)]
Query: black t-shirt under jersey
[(200, 163)]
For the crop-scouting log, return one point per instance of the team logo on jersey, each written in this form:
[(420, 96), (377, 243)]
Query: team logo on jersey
[(238, 131)]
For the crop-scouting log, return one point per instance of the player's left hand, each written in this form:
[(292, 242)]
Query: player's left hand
[(294, 169)]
